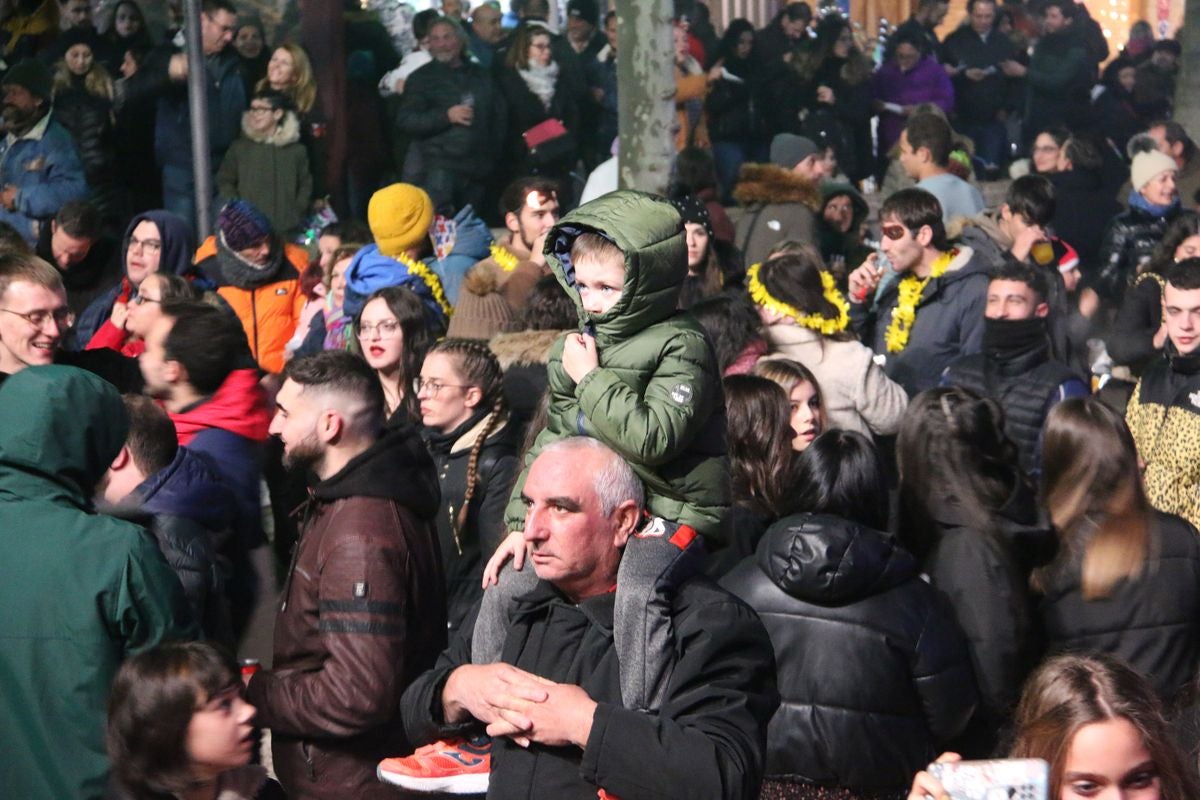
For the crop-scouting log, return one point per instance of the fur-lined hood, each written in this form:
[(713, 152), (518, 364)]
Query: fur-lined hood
[(768, 183), (286, 132), (957, 229), (523, 348)]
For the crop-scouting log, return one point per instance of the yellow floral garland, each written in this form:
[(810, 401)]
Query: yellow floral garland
[(816, 322), (910, 290), (504, 258), (431, 280)]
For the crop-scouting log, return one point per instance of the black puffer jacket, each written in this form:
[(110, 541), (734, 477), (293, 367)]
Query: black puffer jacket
[(1129, 241), (985, 575), (1151, 622), (464, 552), (874, 672), (89, 119)]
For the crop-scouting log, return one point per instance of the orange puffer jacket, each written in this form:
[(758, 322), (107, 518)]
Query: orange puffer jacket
[(270, 312)]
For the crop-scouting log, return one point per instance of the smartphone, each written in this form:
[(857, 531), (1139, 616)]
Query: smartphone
[(997, 779)]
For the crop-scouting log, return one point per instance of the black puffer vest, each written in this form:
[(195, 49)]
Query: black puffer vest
[(1022, 383)]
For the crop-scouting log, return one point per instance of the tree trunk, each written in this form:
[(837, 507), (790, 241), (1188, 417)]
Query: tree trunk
[(646, 91), (1187, 90)]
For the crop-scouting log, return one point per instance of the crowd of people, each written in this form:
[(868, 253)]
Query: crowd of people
[(764, 487)]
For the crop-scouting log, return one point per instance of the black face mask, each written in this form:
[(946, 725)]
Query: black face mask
[(1009, 337)]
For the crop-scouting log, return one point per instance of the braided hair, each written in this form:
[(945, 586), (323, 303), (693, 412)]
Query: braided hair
[(477, 366)]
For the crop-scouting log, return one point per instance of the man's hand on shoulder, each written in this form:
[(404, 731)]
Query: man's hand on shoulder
[(563, 718)]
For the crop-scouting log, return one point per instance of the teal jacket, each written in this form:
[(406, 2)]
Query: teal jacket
[(656, 397), (79, 591)]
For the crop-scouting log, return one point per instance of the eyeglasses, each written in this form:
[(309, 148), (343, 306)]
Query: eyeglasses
[(224, 29), (149, 245), (431, 388), (386, 329), (894, 232), (63, 317), (261, 109), (141, 298), (1046, 148)]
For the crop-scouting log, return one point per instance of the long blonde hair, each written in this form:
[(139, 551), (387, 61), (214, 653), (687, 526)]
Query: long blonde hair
[(97, 81), (303, 91), (1092, 489)]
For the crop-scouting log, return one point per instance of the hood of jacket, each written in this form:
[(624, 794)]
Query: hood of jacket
[(1019, 526), (982, 233), (827, 560), (767, 183), (523, 348), (857, 203), (371, 270), (285, 133), (397, 467), (650, 233), (187, 487), (239, 406), (240, 273), (72, 425), (178, 243)]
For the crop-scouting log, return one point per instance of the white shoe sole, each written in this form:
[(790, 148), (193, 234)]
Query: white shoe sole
[(450, 784)]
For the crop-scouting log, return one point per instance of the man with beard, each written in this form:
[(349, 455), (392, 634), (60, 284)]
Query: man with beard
[(496, 288), (40, 168), (1015, 367), (197, 364), (453, 113), (363, 609), (74, 242), (258, 275)]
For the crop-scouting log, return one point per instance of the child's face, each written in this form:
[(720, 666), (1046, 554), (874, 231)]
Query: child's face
[(220, 735), (806, 415), (600, 282)]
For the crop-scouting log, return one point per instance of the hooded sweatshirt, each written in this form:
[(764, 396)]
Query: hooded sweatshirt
[(80, 591), (656, 396), (178, 245)]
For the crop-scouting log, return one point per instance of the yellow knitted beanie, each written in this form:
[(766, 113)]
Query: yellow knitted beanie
[(399, 216)]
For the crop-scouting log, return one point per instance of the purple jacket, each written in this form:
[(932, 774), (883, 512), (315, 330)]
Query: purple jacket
[(927, 82)]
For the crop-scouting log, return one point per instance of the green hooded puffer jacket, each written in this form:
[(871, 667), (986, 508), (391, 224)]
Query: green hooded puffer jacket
[(79, 591), (656, 397)]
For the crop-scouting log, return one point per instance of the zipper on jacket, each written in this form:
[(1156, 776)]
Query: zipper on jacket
[(254, 317), (307, 506)]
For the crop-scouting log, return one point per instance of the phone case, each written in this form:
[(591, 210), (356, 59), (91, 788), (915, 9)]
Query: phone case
[(998, 779)]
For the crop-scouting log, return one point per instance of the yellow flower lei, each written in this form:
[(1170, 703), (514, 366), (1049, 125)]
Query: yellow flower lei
[(816, 322), (503, 257), (905, 313), (431, 280)]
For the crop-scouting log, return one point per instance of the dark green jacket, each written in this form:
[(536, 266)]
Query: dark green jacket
[(79, 591), (656, 397)]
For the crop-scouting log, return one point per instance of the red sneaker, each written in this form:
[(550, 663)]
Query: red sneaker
[(460, 766)]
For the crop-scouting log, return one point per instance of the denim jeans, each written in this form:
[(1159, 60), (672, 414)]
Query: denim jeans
[(991, 140)]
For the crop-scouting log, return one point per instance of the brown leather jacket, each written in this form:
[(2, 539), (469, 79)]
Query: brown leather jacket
[(363, 613)]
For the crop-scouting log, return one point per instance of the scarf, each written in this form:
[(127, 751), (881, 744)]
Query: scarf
[(540, 81), (442, 442), (240, 273), (1136, 200), (1007, 338)]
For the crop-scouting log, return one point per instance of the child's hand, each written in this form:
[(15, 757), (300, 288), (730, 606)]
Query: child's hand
[(579, 356), (513, 547), (120, 315)]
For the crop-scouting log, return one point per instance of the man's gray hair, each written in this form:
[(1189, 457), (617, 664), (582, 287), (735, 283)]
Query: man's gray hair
[(615, 482)]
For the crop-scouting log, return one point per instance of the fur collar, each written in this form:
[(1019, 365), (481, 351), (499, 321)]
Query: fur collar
[(767, 183), (286, 132), (523, 347)]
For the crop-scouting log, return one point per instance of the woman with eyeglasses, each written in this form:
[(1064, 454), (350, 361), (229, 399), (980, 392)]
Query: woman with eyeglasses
[(474, 446), (392, 336), (126, 330), (156, 241), (537, 91)]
